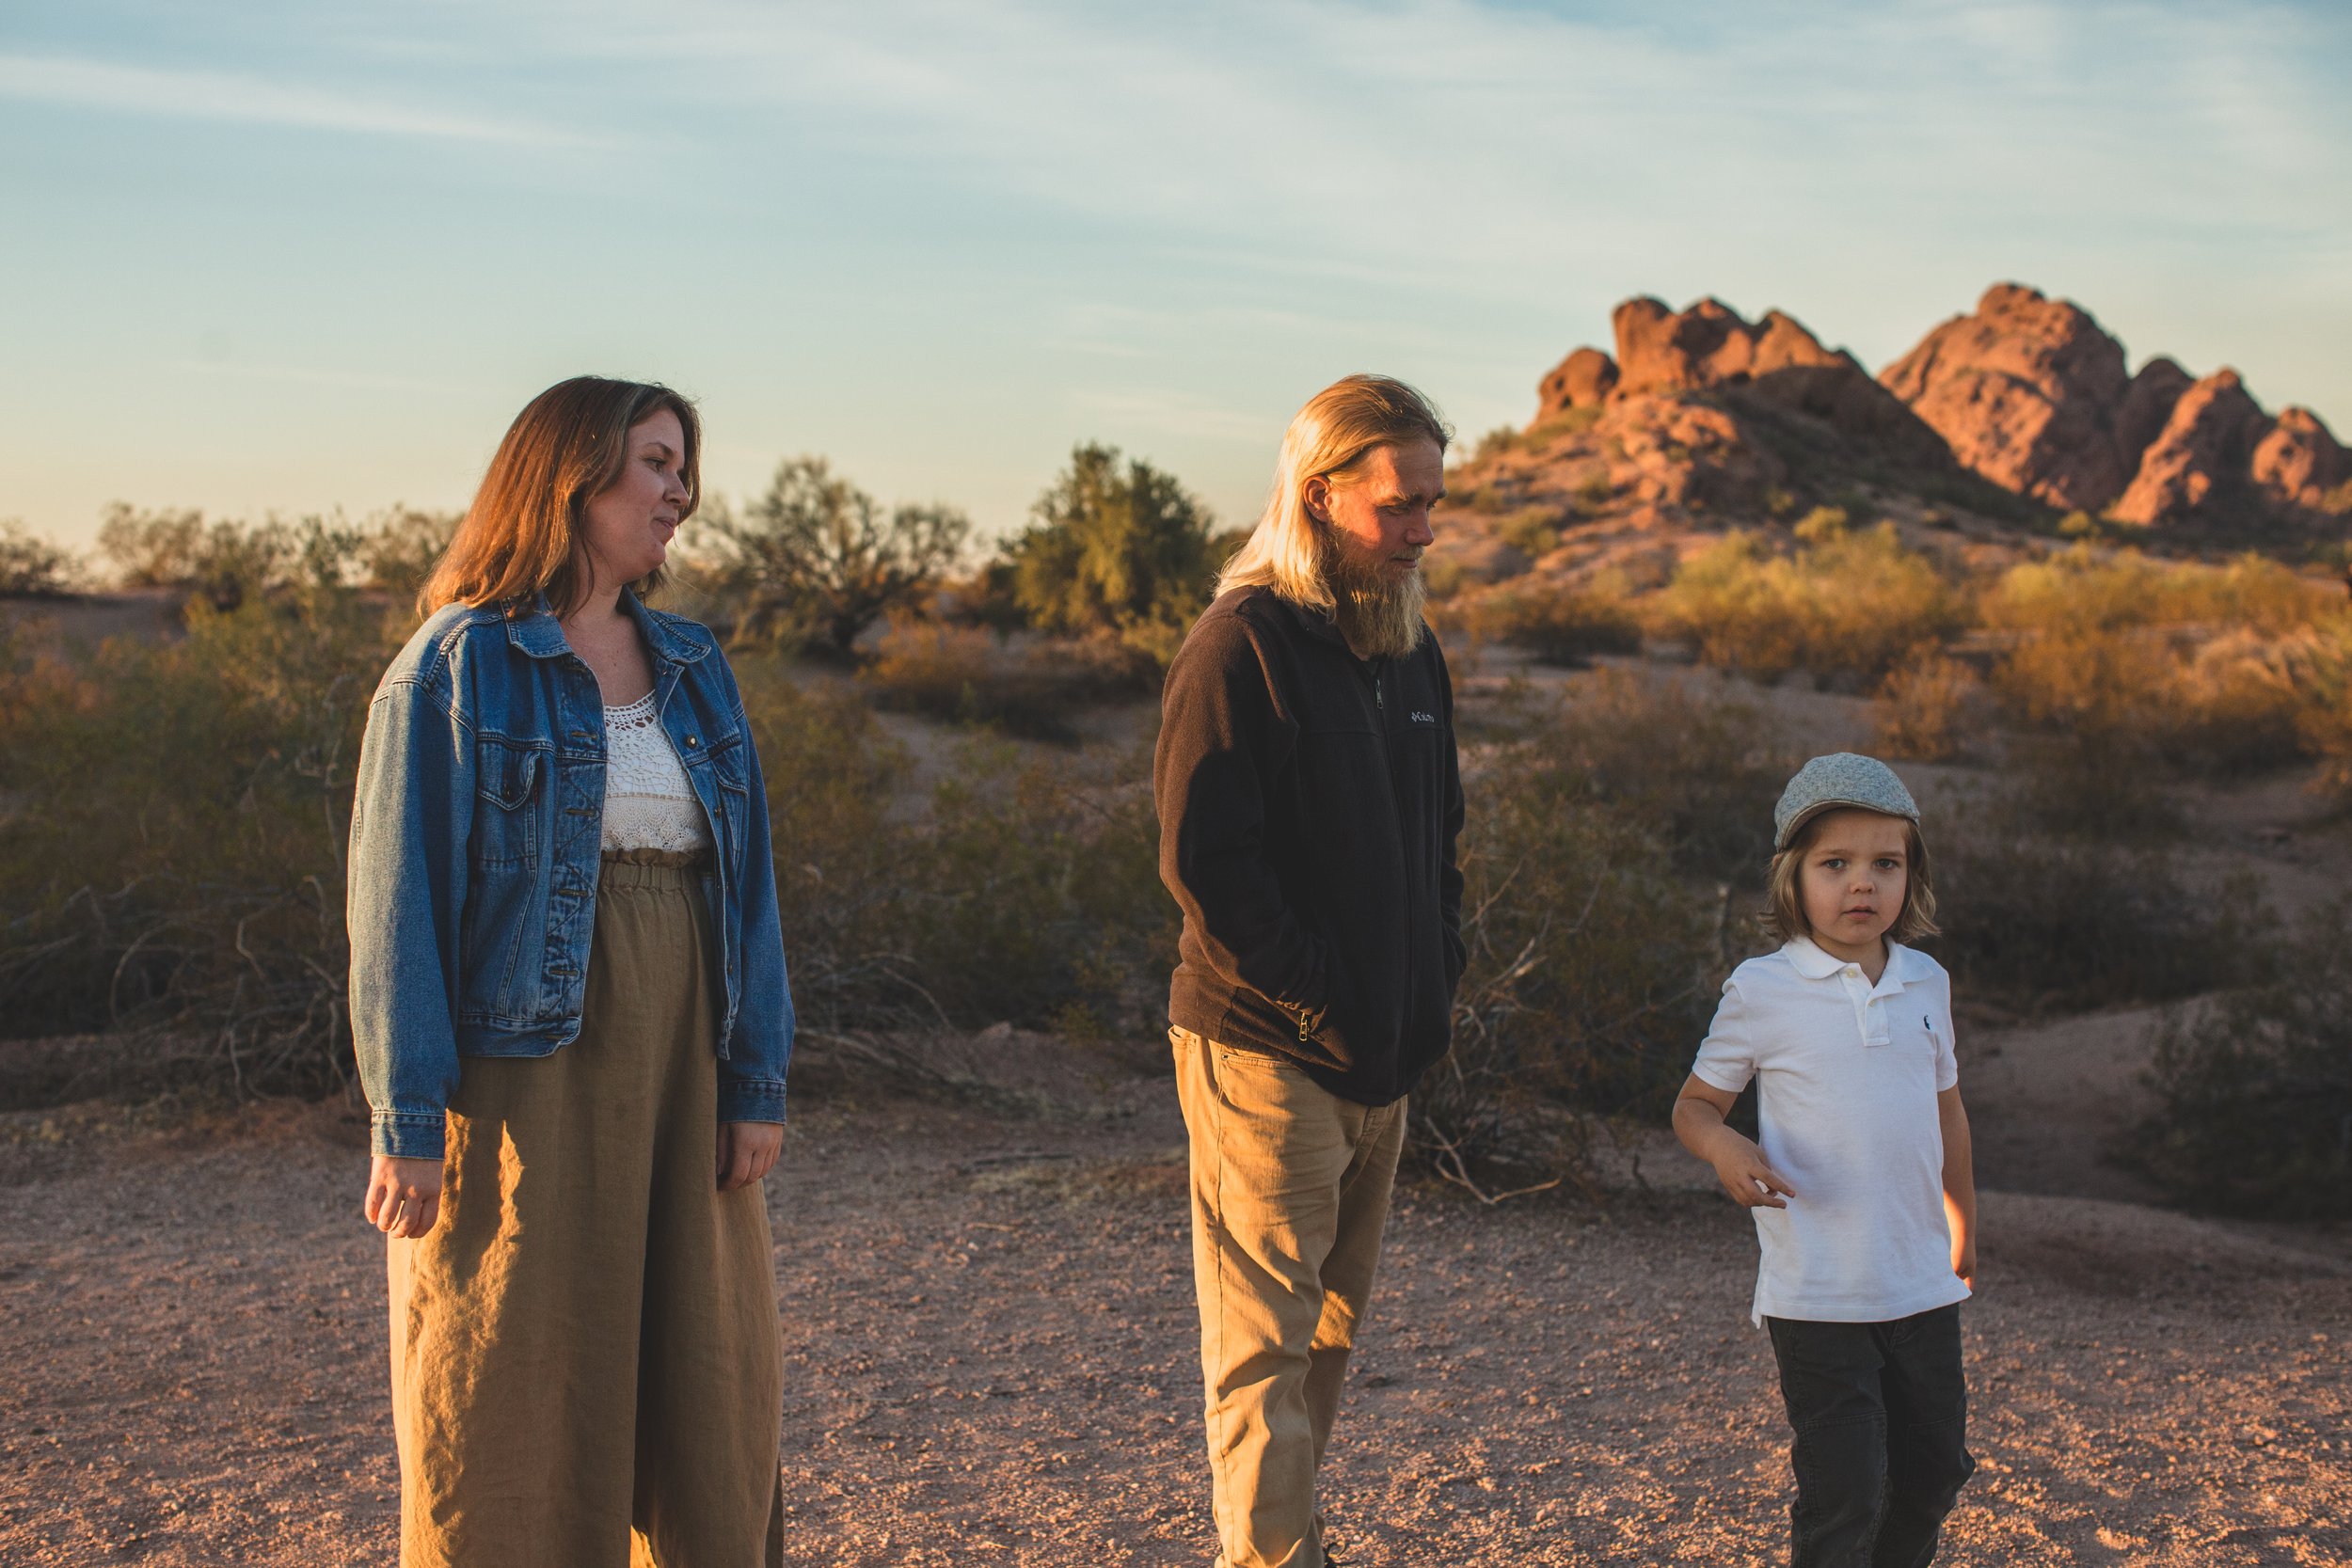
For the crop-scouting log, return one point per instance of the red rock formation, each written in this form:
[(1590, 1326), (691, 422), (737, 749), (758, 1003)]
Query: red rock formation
[(1708, 345), (1673, 453), (2202, 457), (2024, 392), (2299, 462), (1583, 380), (2147, 405)]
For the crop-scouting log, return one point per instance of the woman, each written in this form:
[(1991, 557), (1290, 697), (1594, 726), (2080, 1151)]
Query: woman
[(569, 998)]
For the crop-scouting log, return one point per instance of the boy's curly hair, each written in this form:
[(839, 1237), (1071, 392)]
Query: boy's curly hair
[(1783, 915)]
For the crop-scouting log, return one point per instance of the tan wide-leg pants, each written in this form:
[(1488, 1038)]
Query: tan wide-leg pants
[(586, 1367), (1289, 1190)]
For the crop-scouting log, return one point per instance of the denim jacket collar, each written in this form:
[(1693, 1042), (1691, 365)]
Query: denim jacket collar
[(535, 631)]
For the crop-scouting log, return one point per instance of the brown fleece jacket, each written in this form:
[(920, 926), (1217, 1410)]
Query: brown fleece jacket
[(1310, 803)]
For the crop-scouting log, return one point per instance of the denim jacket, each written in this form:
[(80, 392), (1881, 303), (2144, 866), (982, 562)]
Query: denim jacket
[(475, 842)]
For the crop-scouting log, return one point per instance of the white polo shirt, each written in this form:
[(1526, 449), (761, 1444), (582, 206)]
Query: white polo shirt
[(1846, 1074)]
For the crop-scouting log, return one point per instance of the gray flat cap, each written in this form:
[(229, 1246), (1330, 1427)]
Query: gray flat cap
[(1840, 778)]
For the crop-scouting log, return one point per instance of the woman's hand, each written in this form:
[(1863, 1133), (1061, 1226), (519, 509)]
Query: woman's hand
[(747, 1151), (403, 1195)]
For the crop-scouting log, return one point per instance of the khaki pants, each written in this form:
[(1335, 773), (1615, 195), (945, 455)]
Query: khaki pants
[(586, 1367), (1289, 1190)]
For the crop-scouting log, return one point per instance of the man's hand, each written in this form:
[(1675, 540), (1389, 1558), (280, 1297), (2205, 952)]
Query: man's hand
[(1740, 1165), (747, 1151), (403, 1195)]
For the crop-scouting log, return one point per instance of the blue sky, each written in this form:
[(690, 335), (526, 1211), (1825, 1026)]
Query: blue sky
[(279, 256)]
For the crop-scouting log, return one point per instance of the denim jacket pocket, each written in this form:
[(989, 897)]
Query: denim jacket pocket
[(505, 823)]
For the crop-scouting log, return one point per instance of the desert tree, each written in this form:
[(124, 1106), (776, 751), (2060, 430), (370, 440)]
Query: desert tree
[(1116, 547), (816, 558), (32, 567)]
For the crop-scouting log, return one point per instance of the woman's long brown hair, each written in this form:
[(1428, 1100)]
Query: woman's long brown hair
[(521, 535)]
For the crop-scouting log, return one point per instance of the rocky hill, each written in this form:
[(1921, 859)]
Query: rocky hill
[(1996, 425)]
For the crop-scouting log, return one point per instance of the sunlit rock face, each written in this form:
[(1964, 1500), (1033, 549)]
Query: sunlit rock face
[(2031, 393), (2025, 393)]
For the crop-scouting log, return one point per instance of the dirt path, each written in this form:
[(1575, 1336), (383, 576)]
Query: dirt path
[(990, 1359)]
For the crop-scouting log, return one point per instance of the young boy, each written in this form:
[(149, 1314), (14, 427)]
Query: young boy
[(1865, 1203)]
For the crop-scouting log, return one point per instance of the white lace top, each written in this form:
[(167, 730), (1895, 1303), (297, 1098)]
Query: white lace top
[(647, 802)]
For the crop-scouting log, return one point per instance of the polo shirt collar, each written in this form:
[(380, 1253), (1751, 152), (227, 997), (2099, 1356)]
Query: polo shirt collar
[(1807, 958)]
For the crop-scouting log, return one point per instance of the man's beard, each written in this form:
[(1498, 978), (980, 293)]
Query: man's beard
[(1377, 613)]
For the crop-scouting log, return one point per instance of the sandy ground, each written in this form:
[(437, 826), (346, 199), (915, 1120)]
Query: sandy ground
[(990, 1358), (990, 1340)]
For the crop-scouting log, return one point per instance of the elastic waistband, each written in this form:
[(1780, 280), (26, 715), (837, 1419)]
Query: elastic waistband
[(651, 869)]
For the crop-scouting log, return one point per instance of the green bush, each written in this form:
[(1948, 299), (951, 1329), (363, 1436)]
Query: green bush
[(2255, 1089), (816, 559), (1852, 603), (1123, 551), (1559, 625)]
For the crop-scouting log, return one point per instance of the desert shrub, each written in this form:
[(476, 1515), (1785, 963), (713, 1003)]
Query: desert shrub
[(2254, 1088), (172, 860), (1559, 625), (1123, 552), (1562, 423), (2094, 785), (963, 676), (2209, 669), (1846, 603), (2325, 722), (1017, 888), (396, 550), (225, 563), (816, 559), (1495, 443), (1701, 771), (1821, 525), (1533, 530), (2038, 923), (1928, 709), (32, 567), (1591, 975), (1445, 575), (2086, 587)]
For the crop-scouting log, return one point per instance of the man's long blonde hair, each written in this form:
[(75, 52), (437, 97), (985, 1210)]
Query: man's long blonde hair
[(1331, 435)]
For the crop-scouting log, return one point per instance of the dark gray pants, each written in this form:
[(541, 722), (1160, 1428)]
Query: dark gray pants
[(1880, 1416)]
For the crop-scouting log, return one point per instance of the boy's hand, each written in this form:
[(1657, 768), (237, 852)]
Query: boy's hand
[(1740, 1165), (1751, 1181), (1964, 1261)]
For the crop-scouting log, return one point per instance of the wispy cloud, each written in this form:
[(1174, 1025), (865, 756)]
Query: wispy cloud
[(220, 96)]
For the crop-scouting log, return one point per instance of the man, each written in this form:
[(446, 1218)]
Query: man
[(1310, 802)]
